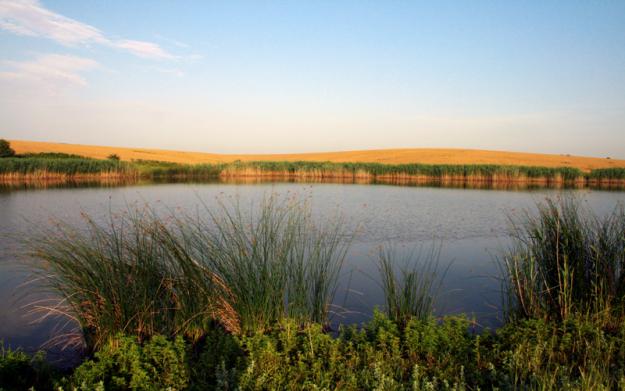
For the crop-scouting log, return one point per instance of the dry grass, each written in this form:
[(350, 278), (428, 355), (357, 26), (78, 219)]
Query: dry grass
[(389, 156)]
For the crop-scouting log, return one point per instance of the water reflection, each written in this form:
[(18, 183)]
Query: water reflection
[(31, 184)]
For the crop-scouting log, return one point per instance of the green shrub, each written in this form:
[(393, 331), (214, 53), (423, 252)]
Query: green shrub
[(125, 364), (19, 371), (217, 361), (574, 354)]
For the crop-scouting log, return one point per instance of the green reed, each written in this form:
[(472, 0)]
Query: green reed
[(131, 275), (143, 274), (409, 284), (276, 261), (565, 262), (60, 165)]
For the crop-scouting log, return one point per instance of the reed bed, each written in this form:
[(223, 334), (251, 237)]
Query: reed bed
[(567, 262), (69, 166), (72, 166), (602, 174), (399, 171)]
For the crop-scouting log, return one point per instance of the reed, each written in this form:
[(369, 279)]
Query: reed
[(72, 166), (55, 166), (276, 261), (607, 174), (130, 275), (409, 284), (567, 262), (387, 171), (144, 275)]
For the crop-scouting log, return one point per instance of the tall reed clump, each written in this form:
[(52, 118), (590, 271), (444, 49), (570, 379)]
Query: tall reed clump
[(142, 274), (276, 261), (566, 262), (409, 285), (131, 275)]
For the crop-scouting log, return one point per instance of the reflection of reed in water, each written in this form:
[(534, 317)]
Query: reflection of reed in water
[(54, 183), (422, 182), (25, 184)]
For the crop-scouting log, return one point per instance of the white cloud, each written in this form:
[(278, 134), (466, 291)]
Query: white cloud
[(143, 49), (31, 18), (50, 72)]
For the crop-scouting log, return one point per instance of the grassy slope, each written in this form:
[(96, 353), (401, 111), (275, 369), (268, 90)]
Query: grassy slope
[(389, 156)]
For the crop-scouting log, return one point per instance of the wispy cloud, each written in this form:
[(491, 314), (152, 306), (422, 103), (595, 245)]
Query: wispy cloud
[(31, 18), (51, 72)]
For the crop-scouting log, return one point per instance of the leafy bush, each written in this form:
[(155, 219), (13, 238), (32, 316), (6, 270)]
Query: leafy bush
[(574, 354), (124, 364), (431, 354)]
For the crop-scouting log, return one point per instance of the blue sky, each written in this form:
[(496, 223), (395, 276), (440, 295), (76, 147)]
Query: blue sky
[(541, 76)]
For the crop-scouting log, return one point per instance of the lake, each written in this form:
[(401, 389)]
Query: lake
[(469, 224)]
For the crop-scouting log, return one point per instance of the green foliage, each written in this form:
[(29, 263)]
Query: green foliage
[(125, 364), (574, 354), (5, 149), (429, 354), (113, 156), (567, 262), (19, 371), (216, 361), (379, 356)]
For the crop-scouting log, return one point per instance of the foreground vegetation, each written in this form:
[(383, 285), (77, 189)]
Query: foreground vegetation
[(421, 355), (54, 166), (242, 301)]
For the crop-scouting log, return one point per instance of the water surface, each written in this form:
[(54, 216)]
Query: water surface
[(471, 225)]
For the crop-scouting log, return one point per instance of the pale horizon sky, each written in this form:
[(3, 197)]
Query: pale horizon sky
[(279, 77)]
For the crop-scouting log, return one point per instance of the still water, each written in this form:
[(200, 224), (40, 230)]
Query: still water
[(470, 225)]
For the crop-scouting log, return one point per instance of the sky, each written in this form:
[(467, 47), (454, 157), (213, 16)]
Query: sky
[(302, 76)]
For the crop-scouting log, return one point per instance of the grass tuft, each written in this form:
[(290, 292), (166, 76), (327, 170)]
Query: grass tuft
[(567, 262), (409, 285)]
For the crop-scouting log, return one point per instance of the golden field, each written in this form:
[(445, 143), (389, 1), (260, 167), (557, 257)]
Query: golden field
[(389, 156)]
